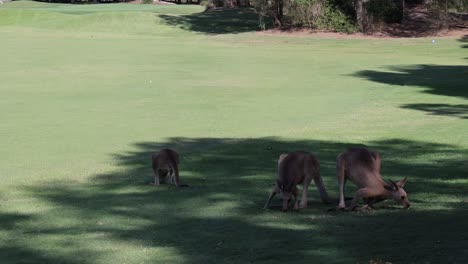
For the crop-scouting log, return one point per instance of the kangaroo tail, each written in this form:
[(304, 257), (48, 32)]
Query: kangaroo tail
[(321, 188), (335, 200)]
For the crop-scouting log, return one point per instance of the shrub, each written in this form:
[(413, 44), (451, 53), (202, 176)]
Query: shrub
[(320, 14), (334, 19)]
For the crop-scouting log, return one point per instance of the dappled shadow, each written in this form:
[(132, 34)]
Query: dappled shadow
[(24, 255), (406, 238), (15, 250), (218, 21), (219, 217), (458, 110), (448, 80), (464, 39)]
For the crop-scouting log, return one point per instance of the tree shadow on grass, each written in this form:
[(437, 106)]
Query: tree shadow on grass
[(23, 255), (464, 39), (219, 21), (448, 80), (15, 249), (219, 217), (457, 110)]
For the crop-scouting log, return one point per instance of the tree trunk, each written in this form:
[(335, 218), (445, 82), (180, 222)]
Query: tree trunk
[(362, 15), (403, 9), (278, 16)]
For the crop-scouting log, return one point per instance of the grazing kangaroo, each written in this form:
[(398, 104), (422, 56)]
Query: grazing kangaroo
[(166, 167), (295, 168), (362, 167)]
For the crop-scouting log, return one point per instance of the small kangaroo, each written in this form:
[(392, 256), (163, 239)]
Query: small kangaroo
[(166, 167), (362, 167), (295, 168)]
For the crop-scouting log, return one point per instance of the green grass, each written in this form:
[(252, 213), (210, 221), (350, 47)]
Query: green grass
[(88, 92)]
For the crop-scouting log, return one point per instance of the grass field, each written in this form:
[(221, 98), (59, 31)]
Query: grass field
[(88, 92)]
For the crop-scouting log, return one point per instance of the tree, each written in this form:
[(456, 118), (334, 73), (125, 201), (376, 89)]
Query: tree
[(272, 9), (363, 18)]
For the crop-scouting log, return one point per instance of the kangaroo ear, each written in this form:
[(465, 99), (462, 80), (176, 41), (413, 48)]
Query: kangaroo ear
[(389, 187), (402, 183), (395, 186)]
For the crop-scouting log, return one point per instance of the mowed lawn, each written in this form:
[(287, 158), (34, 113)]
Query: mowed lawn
[(88, 92)]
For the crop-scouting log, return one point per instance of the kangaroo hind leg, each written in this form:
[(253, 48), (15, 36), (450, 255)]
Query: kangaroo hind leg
[(340, 172), (156, 177), (305, 190)]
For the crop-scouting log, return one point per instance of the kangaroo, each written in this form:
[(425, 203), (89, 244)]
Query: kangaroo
[(295, 168), (166, 167), (362, 167)]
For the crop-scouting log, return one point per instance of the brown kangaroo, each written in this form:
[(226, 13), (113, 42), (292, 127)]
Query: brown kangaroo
[(362, 167), (166, 167), (295, 168)]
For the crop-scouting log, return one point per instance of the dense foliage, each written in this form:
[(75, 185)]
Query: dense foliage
[(347, 16), (321, 15)]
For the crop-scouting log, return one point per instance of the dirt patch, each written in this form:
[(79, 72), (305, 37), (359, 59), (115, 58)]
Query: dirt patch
[(154, 2), (452, 33), (312, 33)]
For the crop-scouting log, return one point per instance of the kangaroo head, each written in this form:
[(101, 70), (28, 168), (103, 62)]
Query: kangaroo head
[(398, 193), (285, 194)]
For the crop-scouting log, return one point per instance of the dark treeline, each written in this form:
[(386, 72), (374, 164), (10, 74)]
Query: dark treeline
[(353, 15), (339, 15), (348, 15)]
